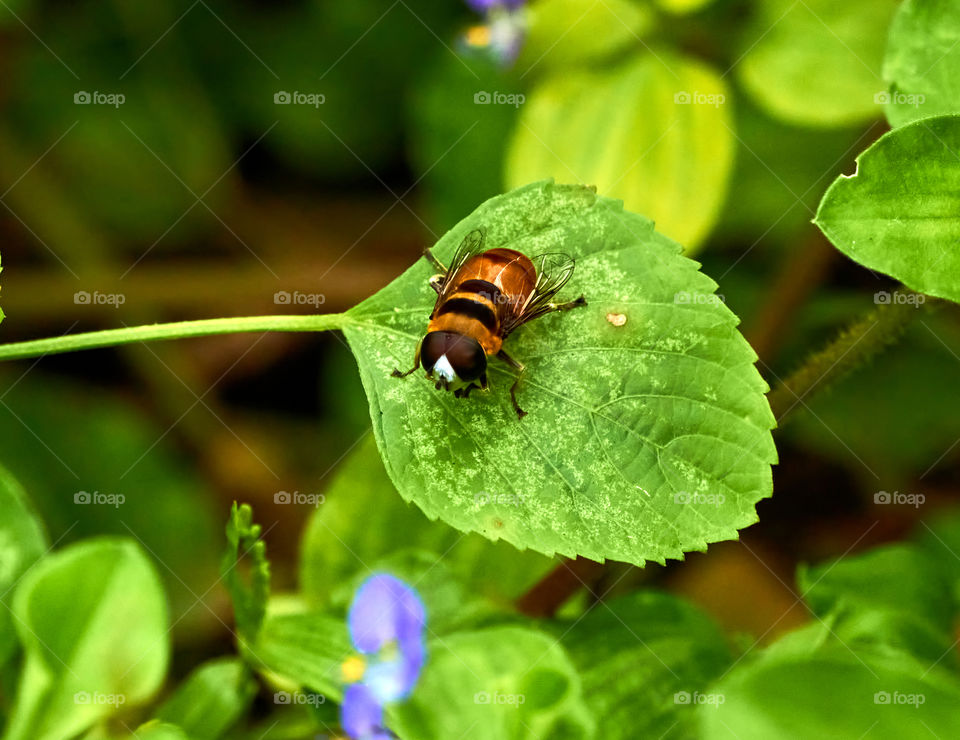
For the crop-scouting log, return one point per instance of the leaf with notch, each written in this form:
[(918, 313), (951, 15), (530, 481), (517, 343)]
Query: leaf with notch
[(900, 213)]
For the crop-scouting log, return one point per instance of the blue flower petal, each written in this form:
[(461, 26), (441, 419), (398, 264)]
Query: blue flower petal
[(484, 6), (361, 715), (385, 610)]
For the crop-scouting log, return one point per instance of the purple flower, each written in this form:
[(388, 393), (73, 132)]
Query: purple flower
[(503, 31), (386, 621), (361, 715), (485, 6)]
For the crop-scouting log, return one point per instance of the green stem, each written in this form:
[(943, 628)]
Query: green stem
[(174, 330), (855, 346)]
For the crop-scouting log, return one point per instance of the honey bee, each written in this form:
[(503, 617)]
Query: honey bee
[(483, 296)]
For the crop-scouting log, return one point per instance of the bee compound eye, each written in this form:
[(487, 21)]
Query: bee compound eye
[(432, 349), (467, 357)]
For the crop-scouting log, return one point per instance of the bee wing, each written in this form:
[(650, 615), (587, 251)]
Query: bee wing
[(472, 244), (554, 270)]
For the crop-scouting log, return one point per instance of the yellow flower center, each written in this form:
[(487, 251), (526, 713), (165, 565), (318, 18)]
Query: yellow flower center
[(353, 669), (478, 36)]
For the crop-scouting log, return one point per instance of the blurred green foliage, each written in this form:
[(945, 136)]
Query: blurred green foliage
[(598, 97), (68, 443)]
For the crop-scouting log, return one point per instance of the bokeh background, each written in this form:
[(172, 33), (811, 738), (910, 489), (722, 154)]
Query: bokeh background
[(203, 193)]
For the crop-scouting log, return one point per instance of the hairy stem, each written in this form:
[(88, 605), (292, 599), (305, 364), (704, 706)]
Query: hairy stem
[(855, 345), (174, 330)]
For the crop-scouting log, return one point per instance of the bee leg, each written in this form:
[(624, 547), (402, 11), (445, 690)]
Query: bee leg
[(435, 282), (434, 261), (483, 382), (416, 364), (513, 388), (581, 301)]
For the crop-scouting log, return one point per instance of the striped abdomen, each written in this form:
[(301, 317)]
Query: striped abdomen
[(486, 289)]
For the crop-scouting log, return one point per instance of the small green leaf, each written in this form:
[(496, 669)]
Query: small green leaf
[(22, 543), (306, 650), (505, 683), (893, 595), (900, 213), (564, 34), (212, 698), (155, 730), (656, 132), (832, 693), (940, 536), (644, 438), (93, 623), (249, 599), (817, 62), (362, 520), (659, 648), (922, 63)]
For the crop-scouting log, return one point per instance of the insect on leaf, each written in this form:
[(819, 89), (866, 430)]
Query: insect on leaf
[(647, 434)]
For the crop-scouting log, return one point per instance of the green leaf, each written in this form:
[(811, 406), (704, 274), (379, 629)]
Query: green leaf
[(504, 683), (659, 648), (211, 700), (564, 34), (305, 650), (362, 520), (890, 596), (249, 598), (624, 421), (93, 623), (22, 543), (900, 213), (656, 132), (922, 63), (817, 62), (874, 663), (940, 536), (162, 731), (832, 694)]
